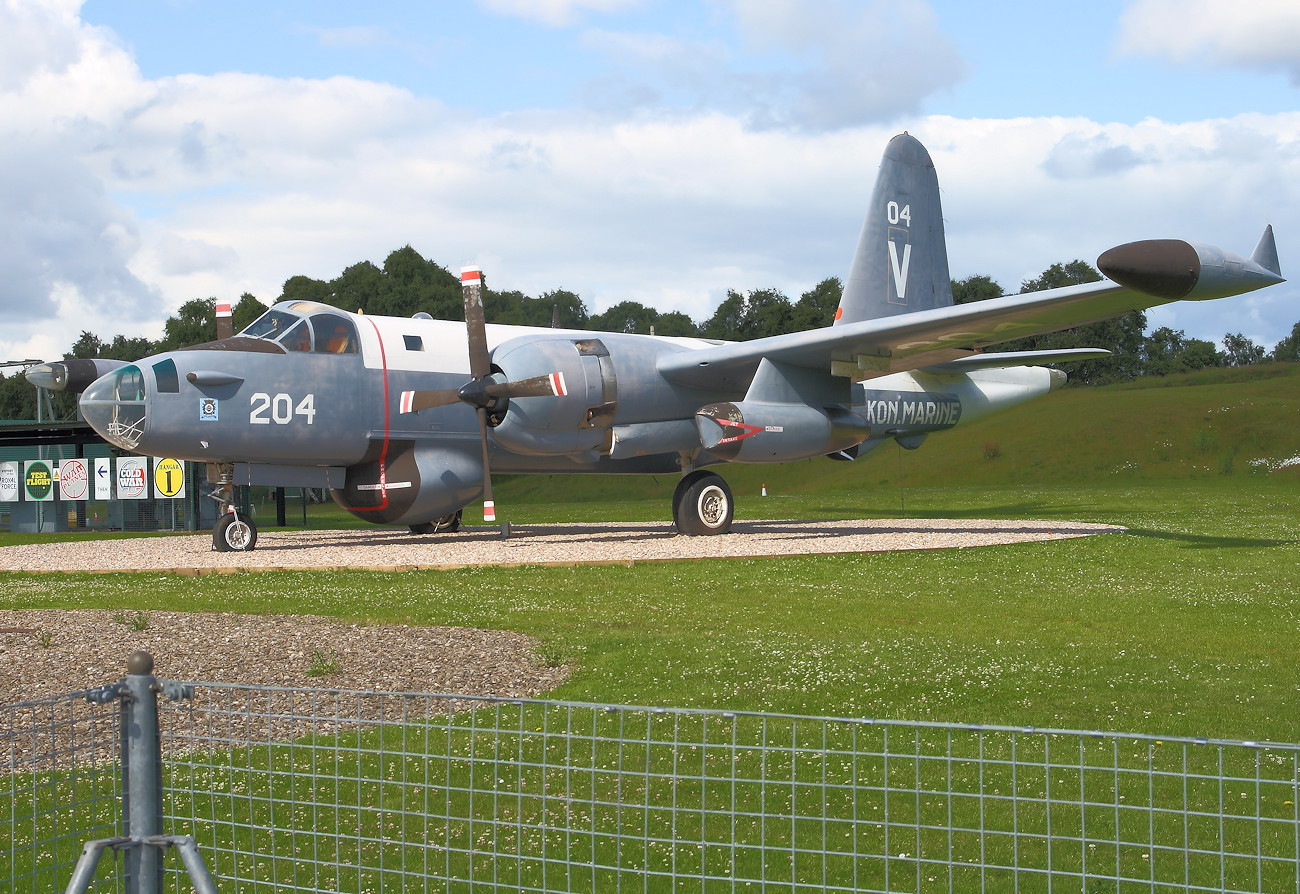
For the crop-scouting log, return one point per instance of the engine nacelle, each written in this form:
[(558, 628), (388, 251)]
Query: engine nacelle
[(571, 423), (412, 483), (752, 432)]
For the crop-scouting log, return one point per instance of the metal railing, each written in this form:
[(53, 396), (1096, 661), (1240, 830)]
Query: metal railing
[(322, 790)]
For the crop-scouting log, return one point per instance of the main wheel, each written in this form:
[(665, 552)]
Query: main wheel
[(234, 534), (703, 505), (449, 523)]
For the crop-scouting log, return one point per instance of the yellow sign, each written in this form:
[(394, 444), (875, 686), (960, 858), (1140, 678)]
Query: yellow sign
[(168, 478)]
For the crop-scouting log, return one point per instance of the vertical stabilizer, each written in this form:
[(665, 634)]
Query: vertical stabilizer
[(1265, 254), (901, 263)]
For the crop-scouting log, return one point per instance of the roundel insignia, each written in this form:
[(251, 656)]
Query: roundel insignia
[(169, 477)]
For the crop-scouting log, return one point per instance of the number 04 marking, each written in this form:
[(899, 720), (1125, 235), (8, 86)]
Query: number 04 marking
[(897, 215), (280, 408)]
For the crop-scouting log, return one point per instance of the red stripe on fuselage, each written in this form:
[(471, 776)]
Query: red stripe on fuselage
[(383, 453)]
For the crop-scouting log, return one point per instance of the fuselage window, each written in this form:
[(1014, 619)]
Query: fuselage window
[(413, 342), (334, 334), (297, 339), (164, 373)]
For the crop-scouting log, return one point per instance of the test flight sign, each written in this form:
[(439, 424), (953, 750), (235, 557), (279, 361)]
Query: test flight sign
[(38, 481)]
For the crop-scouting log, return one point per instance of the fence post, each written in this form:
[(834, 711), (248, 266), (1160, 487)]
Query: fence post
[(141, 773), (141, 838)]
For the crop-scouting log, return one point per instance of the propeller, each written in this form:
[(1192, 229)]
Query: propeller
[(484, 388)]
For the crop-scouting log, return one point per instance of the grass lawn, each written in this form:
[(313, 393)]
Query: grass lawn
[(1187, 624)]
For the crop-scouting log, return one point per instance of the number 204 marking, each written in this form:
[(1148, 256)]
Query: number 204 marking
[(280, 407), (896, 214)]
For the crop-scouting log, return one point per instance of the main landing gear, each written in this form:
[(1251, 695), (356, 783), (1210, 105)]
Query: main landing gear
[(232, 532), (702, 504), (449, 523)]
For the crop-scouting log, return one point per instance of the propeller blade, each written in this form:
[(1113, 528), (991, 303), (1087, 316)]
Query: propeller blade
[(414, 401), (549, 385), (478, 394), (489, 507), (471, 282), (225, 321)]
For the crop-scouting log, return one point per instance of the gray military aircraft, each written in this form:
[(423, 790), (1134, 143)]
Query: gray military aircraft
[(404, 420)]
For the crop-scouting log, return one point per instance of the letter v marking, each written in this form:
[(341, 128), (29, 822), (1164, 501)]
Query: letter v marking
[(900, 270)]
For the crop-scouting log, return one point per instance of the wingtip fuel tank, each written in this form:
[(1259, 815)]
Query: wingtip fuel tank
[(1175, 270)]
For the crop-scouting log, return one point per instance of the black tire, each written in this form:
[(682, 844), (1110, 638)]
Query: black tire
[(706, 506), (448, 523), (233, 533), (679, 495)]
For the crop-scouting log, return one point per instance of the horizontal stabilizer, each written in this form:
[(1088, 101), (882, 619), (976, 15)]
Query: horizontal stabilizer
[(1014, 358)]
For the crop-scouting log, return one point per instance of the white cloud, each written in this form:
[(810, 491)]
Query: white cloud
[(1259, 34), (135, 195), (555, 12), (820, 65)]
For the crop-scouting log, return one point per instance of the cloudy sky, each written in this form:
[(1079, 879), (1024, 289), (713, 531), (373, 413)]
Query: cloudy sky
[(153, 151)]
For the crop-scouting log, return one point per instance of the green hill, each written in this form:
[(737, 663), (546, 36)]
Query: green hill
[(1236, 421)]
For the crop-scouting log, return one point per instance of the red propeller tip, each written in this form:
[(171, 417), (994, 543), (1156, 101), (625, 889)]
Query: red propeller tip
[(470, 276), (408, 397), (557, 384)]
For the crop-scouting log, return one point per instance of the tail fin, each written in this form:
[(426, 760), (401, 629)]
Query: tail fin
[(1265, 254), (901, 263)]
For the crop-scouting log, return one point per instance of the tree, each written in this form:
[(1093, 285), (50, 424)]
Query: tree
[(1166, 351), (816, 307), (1241, 351), (761, 313), (194, 323), (975, 288), (246, 310), (1122, 336), (676, 324), (626, 316), (304, 288), (1289, 347), (17, 397), (727, 319)]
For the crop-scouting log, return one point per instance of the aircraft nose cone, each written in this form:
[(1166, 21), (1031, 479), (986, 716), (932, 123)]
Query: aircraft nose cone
[(114, 405)]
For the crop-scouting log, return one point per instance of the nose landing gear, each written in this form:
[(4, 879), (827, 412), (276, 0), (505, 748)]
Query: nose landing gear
[(232, 532)]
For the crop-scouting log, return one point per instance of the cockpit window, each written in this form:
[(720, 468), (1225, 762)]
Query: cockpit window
[(128, 384), (334, 334), (270, 325), (297, 338), (164, 374)]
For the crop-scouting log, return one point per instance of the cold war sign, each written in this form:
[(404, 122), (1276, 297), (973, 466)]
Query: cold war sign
[(132, 481)]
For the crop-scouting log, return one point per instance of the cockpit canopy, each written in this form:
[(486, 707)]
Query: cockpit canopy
[(306, 327)]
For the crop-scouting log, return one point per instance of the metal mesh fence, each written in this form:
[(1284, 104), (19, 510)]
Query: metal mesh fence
[(58, 789), (313, 790)]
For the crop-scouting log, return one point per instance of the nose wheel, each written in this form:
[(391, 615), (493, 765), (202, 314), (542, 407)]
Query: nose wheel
[(232, 532), (702, 504)]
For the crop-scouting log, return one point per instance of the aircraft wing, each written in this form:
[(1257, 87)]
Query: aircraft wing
[(1142, 275)]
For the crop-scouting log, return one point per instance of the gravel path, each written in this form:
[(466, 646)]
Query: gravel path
[(565, 544), (44, 653)]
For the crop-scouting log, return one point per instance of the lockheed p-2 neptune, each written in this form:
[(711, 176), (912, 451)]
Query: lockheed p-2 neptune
[(404, 420)]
